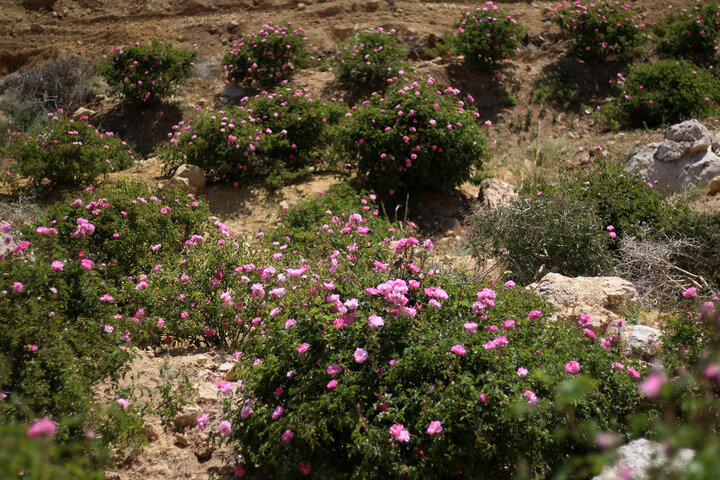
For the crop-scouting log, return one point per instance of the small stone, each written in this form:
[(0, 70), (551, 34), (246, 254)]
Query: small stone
[(190, 178), (207, 393), (372, 6), (36, 29), (201, 359), (232, 26), (301, 6), (714, 186), (642, 339), (180, 441), (150, 434), (187, 418), (226, 367), (203, 452)]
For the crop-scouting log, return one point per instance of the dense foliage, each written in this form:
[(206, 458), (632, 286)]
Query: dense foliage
[(690, 32), (144, 74), (276, 136), (401, 371), (65, 153), (600, 31), (369, 60), (267, 58), (486, 36), (413, 138), (661, 93), (542, 233)]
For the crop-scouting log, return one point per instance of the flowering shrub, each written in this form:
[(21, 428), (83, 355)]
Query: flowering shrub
[(542, 233), (54, 345), (125, 228), (664, 92), (486, 36), (369, 60), (408, 372), (690, 32), (64, 153), (599, 31), (276, 136), (146, 73), (32, 450), (266, 58), (332, 210), (415, 137)]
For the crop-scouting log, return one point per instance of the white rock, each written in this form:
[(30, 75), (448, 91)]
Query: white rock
[(495, 193), (639, 456), (642, 338), (190, 178), (687, 157), (598, 297)]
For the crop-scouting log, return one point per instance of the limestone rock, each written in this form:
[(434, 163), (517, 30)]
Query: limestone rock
[(714, 185), (496, 193), (187, 418), (180, 441), (83, 112), (639, 456), (207, 393), (688, 157), (598, 297), (188, 177), (642, 339)]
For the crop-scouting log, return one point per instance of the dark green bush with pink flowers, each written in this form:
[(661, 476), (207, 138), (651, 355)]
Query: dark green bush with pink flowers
[(403, 372), (662, 93), (145, 74), (690, 32), (370, 60), (65, 153), (277, 137), (486, 36), (414, 137), (269, 57), (601, 31), (125, 227)]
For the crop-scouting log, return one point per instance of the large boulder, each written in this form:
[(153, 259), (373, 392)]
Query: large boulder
[(190, 178), (496, 193), (687, 157), (598, 297), (636, 460)]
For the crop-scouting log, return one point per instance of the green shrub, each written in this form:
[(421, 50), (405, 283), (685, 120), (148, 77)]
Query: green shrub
[(54, 343), (269, 57), (414, 138), (277, 136), (540, 234), (691, 32), (117, 225), (599, 31), (486, 36), (66, 153), (144, 74), (619, 199), (346, 400), (63, 83), (369, 60), (664, 92), (298, 224)]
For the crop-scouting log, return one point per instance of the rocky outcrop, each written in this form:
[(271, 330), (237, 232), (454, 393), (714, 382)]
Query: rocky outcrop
[(190, 178), (639, 458), (495, 193), (598, 297), (687, 157)]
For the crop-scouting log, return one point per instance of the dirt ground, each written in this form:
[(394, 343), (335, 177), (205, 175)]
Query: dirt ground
[(520, 131)]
